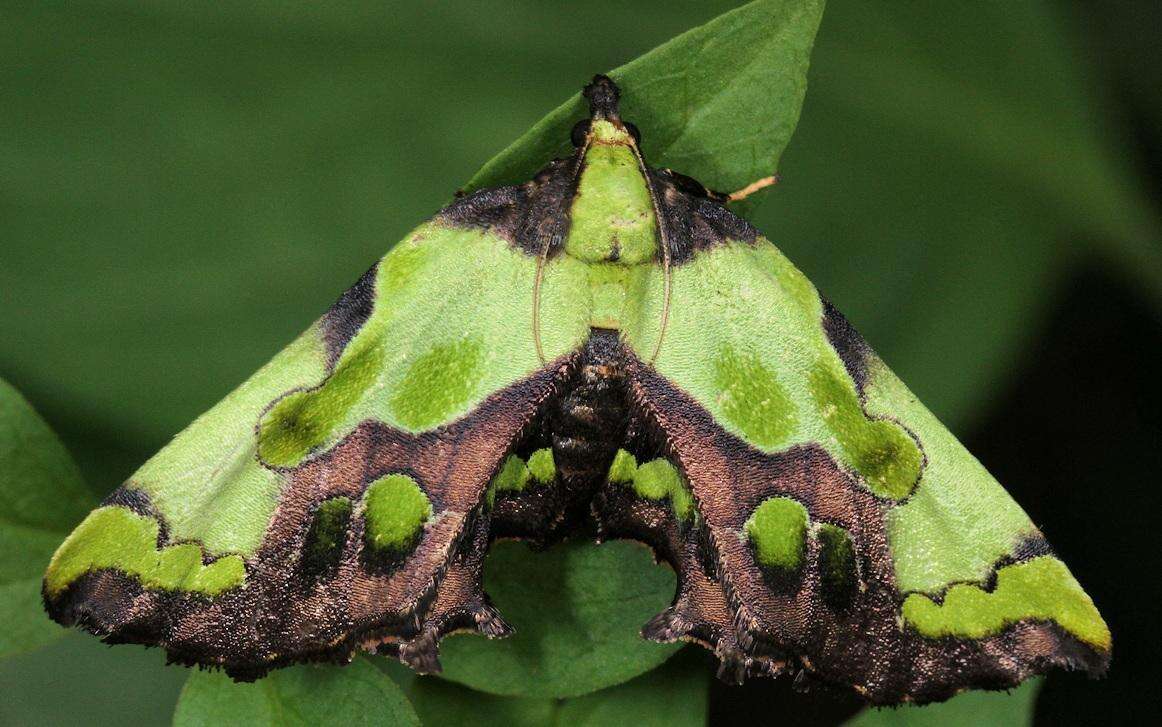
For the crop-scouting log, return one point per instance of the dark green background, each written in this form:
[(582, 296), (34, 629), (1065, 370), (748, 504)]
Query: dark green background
[(185, 186)]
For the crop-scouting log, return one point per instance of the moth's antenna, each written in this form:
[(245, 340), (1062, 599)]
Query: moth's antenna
[(543, 259), (664, 241), (542, 256)]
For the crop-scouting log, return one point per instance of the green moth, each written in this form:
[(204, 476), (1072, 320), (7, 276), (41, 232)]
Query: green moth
[(606, 343)]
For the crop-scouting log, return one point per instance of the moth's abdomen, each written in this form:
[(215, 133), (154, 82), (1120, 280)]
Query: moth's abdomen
[(590, 420)]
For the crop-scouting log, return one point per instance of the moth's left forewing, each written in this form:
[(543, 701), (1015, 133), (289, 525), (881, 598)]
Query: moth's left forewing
[(850, 533), (334, 500)]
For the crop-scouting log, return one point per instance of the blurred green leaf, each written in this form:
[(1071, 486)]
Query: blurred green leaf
[(720, 101), (78, 680), (673, 695), (988, 709), (577, 609), (677, 695), (41, 498), (356, 694)]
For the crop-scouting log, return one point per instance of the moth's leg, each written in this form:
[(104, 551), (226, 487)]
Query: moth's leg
[(460, 603), (759, 184)]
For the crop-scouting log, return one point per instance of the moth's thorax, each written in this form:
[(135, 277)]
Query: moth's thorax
[(612, 214), (613, 228)]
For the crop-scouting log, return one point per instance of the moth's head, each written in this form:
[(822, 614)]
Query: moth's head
[(604, 125)]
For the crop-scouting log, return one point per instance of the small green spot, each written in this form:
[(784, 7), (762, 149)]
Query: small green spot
[(777, 529), (657, 479), (682, 501), (879, 450), (395, 510), (1041, 588), (305, 420), (623, 468), (837, 570), (513, 475), (117, 538), (438, 384), (753, 399), (542, 467), (328, 533)]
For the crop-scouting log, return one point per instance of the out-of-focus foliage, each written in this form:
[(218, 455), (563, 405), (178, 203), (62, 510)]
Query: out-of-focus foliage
[(672, 695), (306, 695), (42, 497), (577, 609)]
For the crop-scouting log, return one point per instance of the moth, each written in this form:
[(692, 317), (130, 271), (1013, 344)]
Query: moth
[(607, 344)]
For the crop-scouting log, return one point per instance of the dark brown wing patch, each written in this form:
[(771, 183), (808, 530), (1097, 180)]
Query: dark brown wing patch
[(309, 596), (839, 620)]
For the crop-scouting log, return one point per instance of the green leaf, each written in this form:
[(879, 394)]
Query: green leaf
[(675, 694), (356, 694), (720, 102), (78, 680), (577, 609), (41, 498), (995, 709), (440, 702)]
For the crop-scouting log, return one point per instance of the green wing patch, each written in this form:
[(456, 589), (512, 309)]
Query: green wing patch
[(454, 328), (438, 384), (880, 450), (323, 548), (1041, 588), (657, 480), (207, 483), (117, 538), (302, 421), (752, 399), (960, 522), (395, 510), (542, 467), (778, 531)]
